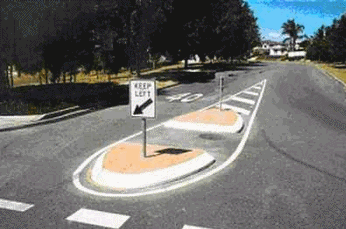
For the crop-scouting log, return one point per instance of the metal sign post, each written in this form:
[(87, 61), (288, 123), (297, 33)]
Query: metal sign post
[(144, 149), (143, 104)]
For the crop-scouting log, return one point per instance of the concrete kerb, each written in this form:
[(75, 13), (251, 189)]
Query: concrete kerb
[(110, 179), (51, 120)]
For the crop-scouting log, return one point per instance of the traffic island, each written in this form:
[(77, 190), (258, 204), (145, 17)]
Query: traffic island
[(210, 120), (125, 167)]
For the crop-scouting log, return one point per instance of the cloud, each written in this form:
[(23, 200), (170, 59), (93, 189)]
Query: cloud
[(274, 35)]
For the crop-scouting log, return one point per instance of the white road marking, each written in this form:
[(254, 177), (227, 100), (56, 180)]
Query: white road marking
[(99, 218), (193, 227), (257, 87), (251, 93), (14, 205), (191, 98), (248, 101), (78, 185), (236, 109)]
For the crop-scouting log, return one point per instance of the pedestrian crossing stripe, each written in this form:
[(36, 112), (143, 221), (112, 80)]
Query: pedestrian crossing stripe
[(251, 93), (248, 101), (99, 218), (14, 205)]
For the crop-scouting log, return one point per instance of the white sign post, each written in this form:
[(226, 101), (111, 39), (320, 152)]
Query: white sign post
[(143, 103)]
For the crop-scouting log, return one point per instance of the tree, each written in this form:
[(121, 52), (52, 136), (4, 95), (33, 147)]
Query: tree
[(292, 29), (141, 19), (319, 47), (336, 36), (219, 28), (329, 43)]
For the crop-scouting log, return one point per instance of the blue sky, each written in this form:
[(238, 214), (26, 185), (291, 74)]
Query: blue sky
[(312, 14)]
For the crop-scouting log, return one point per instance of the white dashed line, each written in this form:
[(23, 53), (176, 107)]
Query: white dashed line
[(236, 109), (251, 93), (14, 205), (193, 227), (248, 101), (99, 218)]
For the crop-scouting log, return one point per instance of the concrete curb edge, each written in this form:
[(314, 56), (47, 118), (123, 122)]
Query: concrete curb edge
[(110, 179)]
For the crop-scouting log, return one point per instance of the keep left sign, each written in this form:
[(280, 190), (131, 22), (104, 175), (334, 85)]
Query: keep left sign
[(143, 98)]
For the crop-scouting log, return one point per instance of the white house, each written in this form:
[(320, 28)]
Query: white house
[(279, 49)]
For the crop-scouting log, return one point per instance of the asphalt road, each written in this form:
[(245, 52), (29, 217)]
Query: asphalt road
[(290, 174)]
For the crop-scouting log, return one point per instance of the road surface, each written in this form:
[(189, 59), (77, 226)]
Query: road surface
[(291, 172)]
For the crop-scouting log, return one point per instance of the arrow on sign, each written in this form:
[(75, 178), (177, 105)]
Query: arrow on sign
[(139, 109)]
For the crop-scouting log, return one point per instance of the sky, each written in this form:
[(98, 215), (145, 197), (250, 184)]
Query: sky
[(312, 14)]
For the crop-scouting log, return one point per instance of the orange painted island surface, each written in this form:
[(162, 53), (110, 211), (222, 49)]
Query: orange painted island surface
[(128, 157), (210, 116)]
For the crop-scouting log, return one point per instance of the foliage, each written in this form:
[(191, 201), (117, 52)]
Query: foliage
[(329, 43), (292, 29)]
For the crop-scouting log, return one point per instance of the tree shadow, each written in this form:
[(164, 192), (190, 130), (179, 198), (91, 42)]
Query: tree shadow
[(52, 97), (173, 151)]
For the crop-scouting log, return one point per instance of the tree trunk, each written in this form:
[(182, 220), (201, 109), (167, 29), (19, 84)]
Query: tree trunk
[(46, 74), (3, 80), (186, 65), (11, 75), (138, 69), (7, 80), (40, 76)]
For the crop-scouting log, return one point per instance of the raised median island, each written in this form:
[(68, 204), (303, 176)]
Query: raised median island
[(125, 167), (209, 120)]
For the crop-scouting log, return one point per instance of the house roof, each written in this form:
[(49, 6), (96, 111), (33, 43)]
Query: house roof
[(271, 42)]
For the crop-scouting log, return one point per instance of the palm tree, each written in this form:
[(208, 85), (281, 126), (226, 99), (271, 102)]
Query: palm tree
[(292, 29)]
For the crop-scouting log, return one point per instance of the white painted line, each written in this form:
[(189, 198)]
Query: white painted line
[(14, 205), (193, 227), (78, 185), (251, 93), (99, 218), (236, 109), (257, 87), (248, 101)]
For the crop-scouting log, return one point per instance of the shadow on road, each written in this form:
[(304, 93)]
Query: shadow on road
[(41, 99), (170, 151)]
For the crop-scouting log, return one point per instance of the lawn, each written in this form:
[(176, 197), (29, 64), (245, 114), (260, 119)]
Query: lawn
[(339, 71)]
